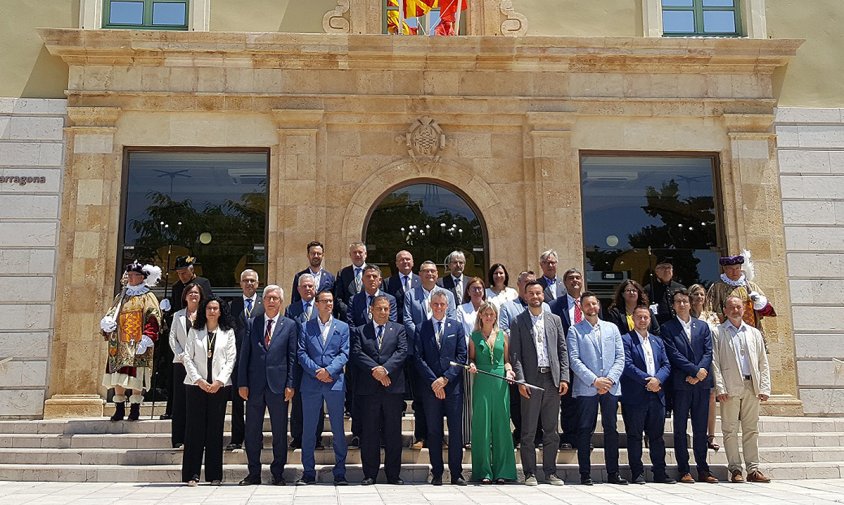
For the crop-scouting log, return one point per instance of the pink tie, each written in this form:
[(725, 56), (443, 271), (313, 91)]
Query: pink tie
[(578, 314)]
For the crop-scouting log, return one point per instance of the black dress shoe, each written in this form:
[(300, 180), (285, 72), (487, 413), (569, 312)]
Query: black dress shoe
[(436, 481), (615, 478), (367, 482), (232, 447), (664, 479), (279, 481), (355, 442), (295, 444), (395, 482), (250, 481), (586, 481), (639, 479), (302, 481), (165, 417), (341, 481), (565, 446), (318, 447), (459, 481)]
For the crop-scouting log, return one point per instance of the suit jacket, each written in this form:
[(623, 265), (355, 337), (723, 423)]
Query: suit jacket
[(511, 310), (523, 355), (660, 294), (196, 357), (727, 369), (260, 368), (358, 313), (618, 317), (636, 375), (344, 289), (179, 288), (688, 357), (392, 355), (448, 284), (416, 312), (178, 335), (549, 296), (588, 364), (560, 308), (326, 281), (393, 286), (433, 362), (296, 311), (241, 320), (332, 355)]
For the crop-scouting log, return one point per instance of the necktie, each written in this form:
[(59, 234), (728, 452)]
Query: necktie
[(578, 314), (268, 336), (380, 337), (439, 334), (308, 310), (358, 272), (248, 307), (406, 283)]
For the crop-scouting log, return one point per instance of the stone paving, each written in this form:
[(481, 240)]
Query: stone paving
[(778, 492)]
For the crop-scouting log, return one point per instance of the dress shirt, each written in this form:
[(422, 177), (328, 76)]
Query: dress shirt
[(687, 327), (552, 284), (739, 339), (275, 322), (248, 305), (650, 364), (426, 295), (317, 277), (539, 339), (439, 328), (324, 328)]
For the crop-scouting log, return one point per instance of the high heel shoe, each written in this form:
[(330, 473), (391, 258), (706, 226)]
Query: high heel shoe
[(710, 442)]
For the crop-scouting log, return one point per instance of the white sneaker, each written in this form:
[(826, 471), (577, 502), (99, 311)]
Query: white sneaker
[(554, 480), (530, 480)]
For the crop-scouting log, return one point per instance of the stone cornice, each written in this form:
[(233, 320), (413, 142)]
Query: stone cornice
[(321, 51)]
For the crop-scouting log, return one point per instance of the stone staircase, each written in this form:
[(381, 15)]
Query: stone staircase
[(97, 450)]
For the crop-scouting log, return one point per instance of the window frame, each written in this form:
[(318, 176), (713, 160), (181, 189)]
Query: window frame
[(91, 16), (120, 249), (386, 8), (147, 22), (753, 23), (698, 10)]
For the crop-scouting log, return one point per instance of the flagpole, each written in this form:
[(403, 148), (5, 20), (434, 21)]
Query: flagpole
[(457, 16), (400, 30)]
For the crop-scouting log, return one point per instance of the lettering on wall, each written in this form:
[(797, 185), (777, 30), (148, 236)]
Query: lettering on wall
[(21, 180)]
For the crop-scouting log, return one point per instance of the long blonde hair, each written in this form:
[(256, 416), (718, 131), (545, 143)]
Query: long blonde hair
[(483, 308)]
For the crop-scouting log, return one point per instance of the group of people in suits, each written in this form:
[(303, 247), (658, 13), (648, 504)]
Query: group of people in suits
[(540, 357)]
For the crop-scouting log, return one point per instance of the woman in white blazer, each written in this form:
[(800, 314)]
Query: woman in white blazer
[(209, 359), (183, 320)]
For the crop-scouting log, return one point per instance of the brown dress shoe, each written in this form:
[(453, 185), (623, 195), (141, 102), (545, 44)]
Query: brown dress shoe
[(758, 476), (735, 476), (707, 477), (686, 478)]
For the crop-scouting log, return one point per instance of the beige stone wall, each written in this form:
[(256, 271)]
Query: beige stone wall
[(334, 120), (295, 16), (813, 79), (578, 18)]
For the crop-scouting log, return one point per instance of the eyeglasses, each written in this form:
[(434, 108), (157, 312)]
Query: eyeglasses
[(631, 290)]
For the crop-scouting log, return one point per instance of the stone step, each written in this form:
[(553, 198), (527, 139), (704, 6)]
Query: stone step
[(141, 457)]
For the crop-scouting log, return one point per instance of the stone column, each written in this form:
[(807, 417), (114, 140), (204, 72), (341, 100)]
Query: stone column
[(753, 218), (89, 217), (297, 211), (552, 207)]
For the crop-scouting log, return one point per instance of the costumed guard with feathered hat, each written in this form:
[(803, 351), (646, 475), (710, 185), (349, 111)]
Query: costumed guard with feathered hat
[(131, 328), (737, 280)]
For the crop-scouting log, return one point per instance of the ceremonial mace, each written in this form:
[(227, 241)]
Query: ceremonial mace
[(165, 227), (521, 383)]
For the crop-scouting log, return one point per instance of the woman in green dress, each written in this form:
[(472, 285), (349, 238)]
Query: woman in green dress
[(493, 457)]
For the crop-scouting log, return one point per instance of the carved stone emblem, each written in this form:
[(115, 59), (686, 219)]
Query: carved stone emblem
[(425, 139)]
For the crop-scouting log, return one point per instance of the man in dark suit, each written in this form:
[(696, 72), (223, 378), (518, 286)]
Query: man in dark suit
[(243, 308), (688, 342), (401, 282), (646, 368), (455, 282), (265, 381), (417, 310), (322, 278), (659, 292), (349, 281), (441, 340), (357, 315), (549, 281), (323, 352), (302, 311), (567, 308), (163, 354), (379, 350), (538, 355)]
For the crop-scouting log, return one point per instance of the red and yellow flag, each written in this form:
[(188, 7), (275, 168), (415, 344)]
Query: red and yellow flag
[(448, 16), (393, 20)]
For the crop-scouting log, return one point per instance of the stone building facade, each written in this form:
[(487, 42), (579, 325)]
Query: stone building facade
[(518, 101)]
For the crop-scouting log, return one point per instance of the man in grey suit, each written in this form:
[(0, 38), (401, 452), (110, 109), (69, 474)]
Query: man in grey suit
[(553, 285), (538, 355)]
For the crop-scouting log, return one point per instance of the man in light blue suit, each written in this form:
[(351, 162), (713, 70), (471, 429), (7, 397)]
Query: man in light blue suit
[(323, 352), (596, 355), (417, 310)]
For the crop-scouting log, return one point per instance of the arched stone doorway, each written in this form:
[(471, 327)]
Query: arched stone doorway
[(430, 220)]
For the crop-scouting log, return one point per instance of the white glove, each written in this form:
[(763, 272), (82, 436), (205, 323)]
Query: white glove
[(108, 324), (655, 308), (143, 345), (759, 301), (165, 305)]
